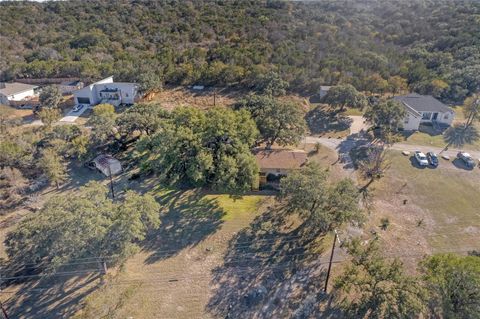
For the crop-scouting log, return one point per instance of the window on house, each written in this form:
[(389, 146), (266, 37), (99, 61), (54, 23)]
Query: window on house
[(406, 119), (426, 116), (445, 117)]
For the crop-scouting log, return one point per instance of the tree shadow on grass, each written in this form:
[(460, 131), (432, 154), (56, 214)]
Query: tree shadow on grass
[(272, 269), (321, 120), (51, 297), (187, 220), (79, 175), (458, 163)]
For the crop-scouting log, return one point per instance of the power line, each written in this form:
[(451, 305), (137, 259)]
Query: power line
[(172, 279), (172, 251), (164, 253), (51, 275), (243, 260)]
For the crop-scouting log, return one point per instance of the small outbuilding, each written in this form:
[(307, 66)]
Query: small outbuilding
[(107, 164), (323, 90)]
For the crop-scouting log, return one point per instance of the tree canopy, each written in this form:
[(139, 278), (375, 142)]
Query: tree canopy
[(372, 287), (85, 225), (50, 97), (388, 115), (103, 122), (323, 204), (341, 96), (260, 44), (53, 166), (142, 118), (454, 282), (278, 121), (200, 148)]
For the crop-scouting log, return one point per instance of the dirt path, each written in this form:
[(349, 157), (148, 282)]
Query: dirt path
[(358, 124)]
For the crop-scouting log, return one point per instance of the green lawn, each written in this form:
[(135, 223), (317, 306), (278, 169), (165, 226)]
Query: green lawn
[(234, 207), (353, 112), (442, 208), (422, 138)]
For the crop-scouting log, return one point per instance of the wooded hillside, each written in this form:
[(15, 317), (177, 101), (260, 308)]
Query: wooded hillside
[(375, 45)]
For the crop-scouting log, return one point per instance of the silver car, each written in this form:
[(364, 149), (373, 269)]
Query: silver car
[(77, 107), (421, 158)]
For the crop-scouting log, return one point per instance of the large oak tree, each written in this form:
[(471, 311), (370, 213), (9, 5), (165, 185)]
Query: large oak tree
[(200, 148), (85, 225), (279, 122)]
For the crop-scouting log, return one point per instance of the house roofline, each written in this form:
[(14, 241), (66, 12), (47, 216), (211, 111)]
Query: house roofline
[(18, 92), (411, 110)]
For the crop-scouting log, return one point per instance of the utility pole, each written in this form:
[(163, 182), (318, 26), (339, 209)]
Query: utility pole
[(214, 96), (104, 267), (330, 263), (102, 264), (111, 180), (4, 311)]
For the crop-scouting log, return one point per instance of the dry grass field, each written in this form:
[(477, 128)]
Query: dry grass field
[(430, 210)]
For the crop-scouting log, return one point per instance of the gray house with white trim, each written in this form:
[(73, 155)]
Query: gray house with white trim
[(424, 109)]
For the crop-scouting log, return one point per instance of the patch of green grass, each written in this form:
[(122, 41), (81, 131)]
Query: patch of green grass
[(235, 206), (421, 138), (353, 112)]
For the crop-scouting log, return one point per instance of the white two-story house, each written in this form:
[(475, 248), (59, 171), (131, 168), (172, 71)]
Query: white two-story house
[(424, 109), (106, 91)]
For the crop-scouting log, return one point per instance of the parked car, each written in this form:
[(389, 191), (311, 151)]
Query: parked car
[(77, 107), (467, 159), (432, 158), (421, 158)]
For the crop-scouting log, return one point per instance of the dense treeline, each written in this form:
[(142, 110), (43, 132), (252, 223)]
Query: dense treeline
[(432, 45)]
